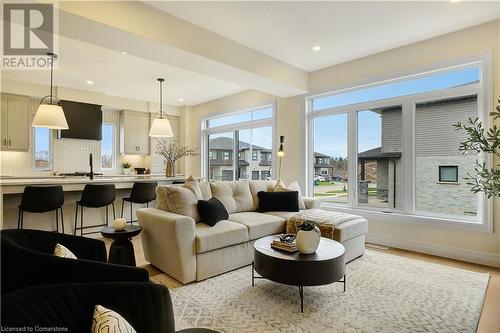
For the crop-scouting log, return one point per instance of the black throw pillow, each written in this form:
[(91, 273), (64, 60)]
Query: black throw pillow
[(278, 201), (212, 211)]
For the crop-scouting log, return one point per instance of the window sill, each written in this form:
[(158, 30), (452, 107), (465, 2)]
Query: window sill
[(448, 183), (396, 217)]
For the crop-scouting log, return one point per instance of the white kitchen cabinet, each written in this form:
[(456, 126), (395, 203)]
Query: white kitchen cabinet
[(143, 135), (134, 133), (15, 123)]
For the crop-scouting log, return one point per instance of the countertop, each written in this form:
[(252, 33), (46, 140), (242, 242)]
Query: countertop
[(74, 183)]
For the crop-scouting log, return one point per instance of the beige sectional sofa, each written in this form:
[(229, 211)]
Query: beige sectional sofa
[(190, 251)]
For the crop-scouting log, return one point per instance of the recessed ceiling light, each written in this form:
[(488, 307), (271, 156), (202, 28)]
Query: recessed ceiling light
[(123, 52), (316, 48), (181, 99), (89, 82)]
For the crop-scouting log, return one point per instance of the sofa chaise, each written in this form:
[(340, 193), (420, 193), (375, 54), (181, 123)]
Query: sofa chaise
[(190, 251)]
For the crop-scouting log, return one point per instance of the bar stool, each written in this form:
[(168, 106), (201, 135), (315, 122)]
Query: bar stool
[(95, 196), (41, 199), (142, 193)]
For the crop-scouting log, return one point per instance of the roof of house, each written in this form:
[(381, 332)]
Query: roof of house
[(225, 143), (376, 154), (316, 154)]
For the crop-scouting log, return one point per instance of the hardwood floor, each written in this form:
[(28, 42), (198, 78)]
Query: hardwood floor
[(490, 315)]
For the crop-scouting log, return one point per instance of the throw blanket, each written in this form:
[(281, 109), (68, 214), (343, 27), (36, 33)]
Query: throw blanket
[(327, 220)]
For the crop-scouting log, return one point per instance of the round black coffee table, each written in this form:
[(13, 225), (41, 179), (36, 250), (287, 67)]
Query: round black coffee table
[(122, 250), (325, 266)]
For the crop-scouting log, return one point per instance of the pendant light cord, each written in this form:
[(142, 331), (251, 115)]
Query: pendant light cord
[(51, 75), (161, 99)]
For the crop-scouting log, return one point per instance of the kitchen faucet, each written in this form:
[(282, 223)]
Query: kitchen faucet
[(91, 174)]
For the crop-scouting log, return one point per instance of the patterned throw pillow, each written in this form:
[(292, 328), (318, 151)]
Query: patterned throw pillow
[(63, 252), (193, 185), (107, 321), (294, 186)]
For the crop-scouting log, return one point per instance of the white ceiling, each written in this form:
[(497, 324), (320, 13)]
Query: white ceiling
[(344, 30), (125, 76), (284, 30)]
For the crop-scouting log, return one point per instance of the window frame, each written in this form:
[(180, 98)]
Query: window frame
[(206, 131), (51, 152), (440, 179), (113, 149), (408, 214)]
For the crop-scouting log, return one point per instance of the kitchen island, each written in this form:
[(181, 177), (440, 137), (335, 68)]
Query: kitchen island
[(11, 189)]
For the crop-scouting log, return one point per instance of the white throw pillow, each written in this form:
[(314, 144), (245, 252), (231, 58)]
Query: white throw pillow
[(193, 185), (107, 321), (63, 252), (293, 186), (177, 200)]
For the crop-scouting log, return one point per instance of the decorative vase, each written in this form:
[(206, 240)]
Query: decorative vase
[(170, 170), (308, 241), (126, 171), (119, 224)]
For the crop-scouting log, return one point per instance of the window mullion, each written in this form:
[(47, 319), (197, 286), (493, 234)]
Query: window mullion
[(352, 143), (236, 157), (408, 157)]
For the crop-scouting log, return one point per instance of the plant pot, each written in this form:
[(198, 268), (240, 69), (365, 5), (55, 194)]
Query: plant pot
[(126, 171), (308, 241), (170, 169)]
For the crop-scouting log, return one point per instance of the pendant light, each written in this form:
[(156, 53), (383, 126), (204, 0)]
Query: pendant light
[(160, 128), (50, 113)]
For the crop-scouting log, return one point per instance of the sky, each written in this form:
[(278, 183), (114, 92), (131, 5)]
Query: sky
[(107, 139), (261, 136)]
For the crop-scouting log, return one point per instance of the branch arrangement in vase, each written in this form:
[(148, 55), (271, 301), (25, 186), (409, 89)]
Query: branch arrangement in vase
[(481, 140), (172, 151)]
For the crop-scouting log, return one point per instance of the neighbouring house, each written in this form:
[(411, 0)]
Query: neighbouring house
[(255, 162), (330, 167), (439, 165)]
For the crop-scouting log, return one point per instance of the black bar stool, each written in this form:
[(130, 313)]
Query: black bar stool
[(142, 193), (41, 199), (95, 196)]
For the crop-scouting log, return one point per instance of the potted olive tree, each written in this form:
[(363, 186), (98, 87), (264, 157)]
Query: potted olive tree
[(484, 141)]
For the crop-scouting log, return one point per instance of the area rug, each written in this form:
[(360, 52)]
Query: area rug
[(385, 293)]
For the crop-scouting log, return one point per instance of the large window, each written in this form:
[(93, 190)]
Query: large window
[(42, 152), (330, 140), (392, 147), (235, 142), (108, 146)]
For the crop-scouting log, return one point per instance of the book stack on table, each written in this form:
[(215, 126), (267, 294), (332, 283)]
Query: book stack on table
[(285, 242)]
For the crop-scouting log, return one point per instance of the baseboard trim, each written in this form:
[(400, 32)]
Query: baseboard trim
[(476, 257)]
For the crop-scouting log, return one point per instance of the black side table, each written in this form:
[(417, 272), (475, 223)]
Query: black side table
[(122, 250)]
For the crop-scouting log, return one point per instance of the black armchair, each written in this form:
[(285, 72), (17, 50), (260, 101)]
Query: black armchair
[(146, 306), (27, 260)]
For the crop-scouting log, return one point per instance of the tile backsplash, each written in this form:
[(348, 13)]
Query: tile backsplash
[(69, 155)]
